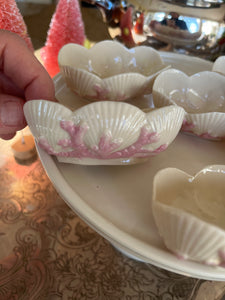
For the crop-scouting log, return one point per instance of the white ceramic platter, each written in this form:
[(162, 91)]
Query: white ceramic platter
[(116, 200)]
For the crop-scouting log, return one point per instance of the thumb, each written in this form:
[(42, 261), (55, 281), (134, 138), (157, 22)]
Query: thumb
[(11, 115)]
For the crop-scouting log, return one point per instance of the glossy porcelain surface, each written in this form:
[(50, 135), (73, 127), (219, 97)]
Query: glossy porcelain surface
[(219, 65), (189, 213), (116, 200), (103, 132), (202, 95), (109, 71)]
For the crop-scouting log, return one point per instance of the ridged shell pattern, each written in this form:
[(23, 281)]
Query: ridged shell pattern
[(103, 132), (189, 213), (189, 238), (202, 95), (109, 71), (166, 122), (209, 125)]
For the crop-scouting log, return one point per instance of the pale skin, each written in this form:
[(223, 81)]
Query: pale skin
[(22, 78)]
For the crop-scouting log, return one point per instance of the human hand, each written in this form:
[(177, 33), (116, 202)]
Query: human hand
[(22, 78)]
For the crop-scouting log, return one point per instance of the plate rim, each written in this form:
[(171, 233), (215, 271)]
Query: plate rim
[(93, 218), (64, 189)]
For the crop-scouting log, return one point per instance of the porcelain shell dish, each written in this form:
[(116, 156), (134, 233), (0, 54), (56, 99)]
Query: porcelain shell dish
[(189, 213), (109, 70), (219, 65), (103, 132), (202, 95)]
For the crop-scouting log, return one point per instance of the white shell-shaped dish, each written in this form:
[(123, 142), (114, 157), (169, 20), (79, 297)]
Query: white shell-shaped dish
[(189, 213), (109, 71), (202, 95), (103, 132), (219, 65)]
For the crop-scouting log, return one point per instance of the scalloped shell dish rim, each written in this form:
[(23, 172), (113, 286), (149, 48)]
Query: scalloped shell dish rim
[(209, 124), (108, 76), (219, 65), (185, 232), (92, 134)]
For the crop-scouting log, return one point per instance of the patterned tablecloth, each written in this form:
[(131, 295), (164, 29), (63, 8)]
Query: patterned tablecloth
[(48, 253)]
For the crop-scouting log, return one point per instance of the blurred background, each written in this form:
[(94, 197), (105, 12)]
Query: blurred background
[(195, 27)]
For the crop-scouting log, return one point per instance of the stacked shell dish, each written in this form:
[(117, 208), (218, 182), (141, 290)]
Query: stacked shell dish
[(110, 71), (108, 130)]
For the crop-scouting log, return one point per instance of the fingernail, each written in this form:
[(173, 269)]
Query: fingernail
[(11, 113)]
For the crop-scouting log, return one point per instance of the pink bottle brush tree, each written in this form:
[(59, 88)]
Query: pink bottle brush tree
[(66, 27), (12, 20)]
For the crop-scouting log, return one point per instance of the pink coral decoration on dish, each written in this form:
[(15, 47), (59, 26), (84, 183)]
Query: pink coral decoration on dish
[(104, 149), (103, 132)]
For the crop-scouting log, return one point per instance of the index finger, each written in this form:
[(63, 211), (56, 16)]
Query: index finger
[(18, 62)]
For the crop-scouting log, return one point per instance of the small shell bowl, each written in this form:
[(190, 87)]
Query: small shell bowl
[(109, 70), (103, 132), (202, 95), (219, 65), (189, 213)]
